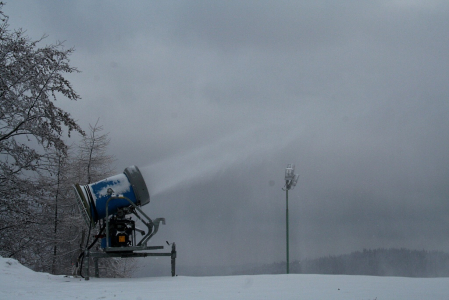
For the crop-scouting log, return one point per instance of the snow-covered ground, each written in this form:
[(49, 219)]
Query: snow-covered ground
[(18, 282)]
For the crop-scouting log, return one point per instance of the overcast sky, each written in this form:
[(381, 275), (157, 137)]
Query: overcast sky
[(212, 100)]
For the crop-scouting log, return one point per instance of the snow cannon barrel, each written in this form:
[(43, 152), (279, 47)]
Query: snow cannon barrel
[(92, 198)]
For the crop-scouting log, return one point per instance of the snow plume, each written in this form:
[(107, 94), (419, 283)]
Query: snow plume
[(199, 164)]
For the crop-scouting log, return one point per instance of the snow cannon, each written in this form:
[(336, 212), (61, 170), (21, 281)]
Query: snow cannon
[(111, 203), (126, 187)]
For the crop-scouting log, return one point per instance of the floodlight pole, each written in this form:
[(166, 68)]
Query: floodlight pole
[(287, 237), (290, 182)]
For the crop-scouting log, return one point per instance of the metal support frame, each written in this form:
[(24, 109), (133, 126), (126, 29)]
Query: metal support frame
[(97, 255), (127, 252), (153, 227)]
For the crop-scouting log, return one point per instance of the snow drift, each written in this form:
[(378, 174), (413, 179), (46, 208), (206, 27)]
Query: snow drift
[(18, 282)]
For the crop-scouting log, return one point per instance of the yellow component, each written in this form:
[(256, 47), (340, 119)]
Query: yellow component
[(121, 238)]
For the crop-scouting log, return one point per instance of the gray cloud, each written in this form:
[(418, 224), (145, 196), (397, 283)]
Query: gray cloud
[(224, 95)]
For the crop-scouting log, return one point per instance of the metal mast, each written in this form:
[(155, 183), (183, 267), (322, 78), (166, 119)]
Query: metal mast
[(290, 182)]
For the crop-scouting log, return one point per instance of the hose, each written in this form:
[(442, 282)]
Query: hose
[(81, 256)]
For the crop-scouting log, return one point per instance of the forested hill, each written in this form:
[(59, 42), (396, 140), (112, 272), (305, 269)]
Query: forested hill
[(378, 262)]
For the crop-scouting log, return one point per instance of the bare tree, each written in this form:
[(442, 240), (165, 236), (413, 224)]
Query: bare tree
[(39, 224), (31, 128), (67, 224), (93, 162)]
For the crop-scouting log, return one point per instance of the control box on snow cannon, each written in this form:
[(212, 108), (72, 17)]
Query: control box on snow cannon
[(93, 198)]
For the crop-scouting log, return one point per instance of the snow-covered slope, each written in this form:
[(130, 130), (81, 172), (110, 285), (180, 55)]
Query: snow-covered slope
[(18, 282)]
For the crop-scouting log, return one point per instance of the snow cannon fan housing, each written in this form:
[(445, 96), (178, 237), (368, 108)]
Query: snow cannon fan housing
[(93, 198)]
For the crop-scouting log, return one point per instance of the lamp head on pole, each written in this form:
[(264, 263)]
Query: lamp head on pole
[(291, 179)]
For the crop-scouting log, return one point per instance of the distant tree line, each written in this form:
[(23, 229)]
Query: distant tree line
[(40, 224), (378, 262)]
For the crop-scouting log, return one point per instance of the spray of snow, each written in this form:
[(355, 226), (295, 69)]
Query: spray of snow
[(204, 162)]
